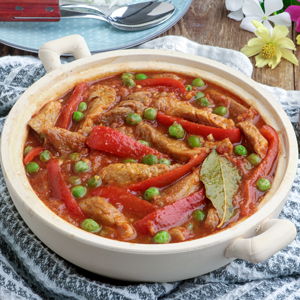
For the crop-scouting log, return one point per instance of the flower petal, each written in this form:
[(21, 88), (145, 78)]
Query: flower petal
[(246, 24), (261, 61), (288, 55), (298, 39), (294, 12), (264, 33), (236, 15), (252, 8), (298, 25), (275, 60), (267, 24), (281, 19), (250, 51), (279, 32), (285, 43), (234, 5), (272, 6)]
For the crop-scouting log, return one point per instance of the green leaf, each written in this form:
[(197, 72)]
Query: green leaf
[(221, 179)]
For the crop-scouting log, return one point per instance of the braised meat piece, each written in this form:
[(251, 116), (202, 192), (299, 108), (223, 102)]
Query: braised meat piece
[(252, 135), (224, 146), (120, 112), (144, 97), (180, 189), (129, 173), (237, 110), (166, 75), (170, 105), (176, 148), (212, 219), (64, 141), (105, 213), (179, 234), (46, 117), (101, 98)]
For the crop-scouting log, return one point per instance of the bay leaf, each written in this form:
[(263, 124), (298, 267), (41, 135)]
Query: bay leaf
[(221, 179)]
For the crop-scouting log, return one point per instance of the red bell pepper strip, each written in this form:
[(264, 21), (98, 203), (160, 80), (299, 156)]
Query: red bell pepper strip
[(170, 177), (234, 134), (33, 153), (249, 191), (163, 81), (60, 190), (174, 214), (65, 117), (129, 202), (112, 141)]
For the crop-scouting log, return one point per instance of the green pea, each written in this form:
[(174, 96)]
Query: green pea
[(81, 166), (32, 167), (194, 141), (165, 161), (77, 116), (240, 150), (150, 114), (140, 76), (176, 131), (95, 181), (129, 160), (221, 111), (45, 155), (190, 226), (75, 156), (82, 106), (198, 82), (254, 159), (151, 193), (263, 184), (188, 87), (203, 101), (199, 215), (90, 225), (27, 149), (199, 95), (127, 75), (129, 82), (150, 159), (78, 191), (74, 180), (133, 119), (42, 136), (144, 142), (162, 237)]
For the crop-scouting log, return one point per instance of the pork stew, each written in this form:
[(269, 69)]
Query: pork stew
[(150, 157)]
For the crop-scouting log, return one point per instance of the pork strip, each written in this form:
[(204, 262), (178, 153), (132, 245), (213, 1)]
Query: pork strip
[(258, 142), (120, 112), (170, 105), (63, 140), (101, 98), (46, 117), (166, 75), (180, 189), (105, 213), (129, 173), (175, 148), (144, 97), (224, 146)]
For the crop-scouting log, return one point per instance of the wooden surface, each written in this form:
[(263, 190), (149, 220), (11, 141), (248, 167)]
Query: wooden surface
[(206, 22)]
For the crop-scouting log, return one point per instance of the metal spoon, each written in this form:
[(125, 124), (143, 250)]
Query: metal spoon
[(132, 17)]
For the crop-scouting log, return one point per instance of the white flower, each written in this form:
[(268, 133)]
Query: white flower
[(235, 6), (254, 12)]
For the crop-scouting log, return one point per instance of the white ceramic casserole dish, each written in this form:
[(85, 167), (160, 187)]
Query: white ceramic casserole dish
[(254, 239)]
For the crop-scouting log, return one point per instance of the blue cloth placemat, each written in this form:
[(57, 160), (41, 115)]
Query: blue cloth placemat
[(29, 270)]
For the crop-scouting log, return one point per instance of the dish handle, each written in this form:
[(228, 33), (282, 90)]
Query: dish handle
[(274, 235), (50, 52)]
